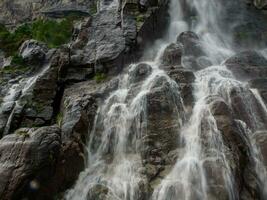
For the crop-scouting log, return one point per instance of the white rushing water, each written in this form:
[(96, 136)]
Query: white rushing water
[(114, 156), (114, 159), (17, 88)]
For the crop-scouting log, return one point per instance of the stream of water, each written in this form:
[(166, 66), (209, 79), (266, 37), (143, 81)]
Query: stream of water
[(114, 156)]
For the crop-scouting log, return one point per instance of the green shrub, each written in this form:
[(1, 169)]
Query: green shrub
[(53, 33), (17, 65), (17, 60), (22, 133), (11, 41), (93, 8), (100, 77), (59, 119), (14, 69)]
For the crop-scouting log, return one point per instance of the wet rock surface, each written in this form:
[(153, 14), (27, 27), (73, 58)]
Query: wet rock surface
[(33, 52), (28, 160), (138, 121), (172, 54), (247, 65)]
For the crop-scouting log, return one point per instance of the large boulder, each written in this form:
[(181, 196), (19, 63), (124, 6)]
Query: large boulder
[(31, 100), (139, 72), (102, 40), (34, 104), (79, 106), (185, 79), (28, 161), (172, 54), (33, 52), (153, 24), (191, 43), (164, 114), (193, 54), (236, 152)]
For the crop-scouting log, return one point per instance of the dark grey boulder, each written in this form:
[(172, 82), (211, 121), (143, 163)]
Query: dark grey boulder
[(139, 72), (33, 52), (28, 159), (172, 54), (191, 44)]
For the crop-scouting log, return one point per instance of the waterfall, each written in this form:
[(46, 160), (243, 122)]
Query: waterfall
[(17, 88), (115, 143)]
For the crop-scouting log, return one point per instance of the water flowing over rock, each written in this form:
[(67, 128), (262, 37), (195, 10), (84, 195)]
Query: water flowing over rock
[(28, 159), (152, 100)]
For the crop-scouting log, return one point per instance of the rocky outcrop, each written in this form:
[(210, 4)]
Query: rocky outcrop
[(67, 86), (172, 55), (261, 140), (28, 162), (111, 39), (16, 12), (31, 101), (103, 41), (35, 161), (237, 154), (33, 52)]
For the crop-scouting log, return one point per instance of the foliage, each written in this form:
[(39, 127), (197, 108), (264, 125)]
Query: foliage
[(52, 32), (23, 133), (17, 65), (17, 60), (59, 119), (10, 41), (100, 77), (93, 8), (14, 69)]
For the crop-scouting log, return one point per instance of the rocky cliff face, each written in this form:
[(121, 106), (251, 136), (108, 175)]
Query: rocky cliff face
[(16, 12), (190, 124)]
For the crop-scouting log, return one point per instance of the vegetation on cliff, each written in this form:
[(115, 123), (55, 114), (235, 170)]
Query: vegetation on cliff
[(53, 33)]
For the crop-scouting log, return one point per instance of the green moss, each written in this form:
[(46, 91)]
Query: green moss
[(14, 69), (39, 107), (17, 60), (93, 8), (140, 19), (17, 66), (10, 41), (59, 119), (53, 33), (22, 133), (100, 77)]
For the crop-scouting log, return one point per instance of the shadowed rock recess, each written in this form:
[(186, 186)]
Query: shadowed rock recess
[(147, 100)]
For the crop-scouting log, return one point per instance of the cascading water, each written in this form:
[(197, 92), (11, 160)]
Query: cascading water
[(17, 88), (114, 156), (114, 159)]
